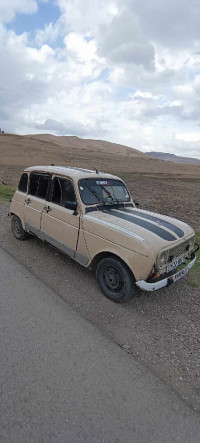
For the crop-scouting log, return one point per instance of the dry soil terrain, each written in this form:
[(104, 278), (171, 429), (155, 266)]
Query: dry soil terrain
[(161, 329), (159, 185)]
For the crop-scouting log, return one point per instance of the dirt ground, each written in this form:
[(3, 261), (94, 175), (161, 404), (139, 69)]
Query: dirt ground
[(161, 329), (179, 198)]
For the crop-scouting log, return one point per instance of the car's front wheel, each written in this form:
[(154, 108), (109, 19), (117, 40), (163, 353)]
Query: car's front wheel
[(17, 229), (115, 279)]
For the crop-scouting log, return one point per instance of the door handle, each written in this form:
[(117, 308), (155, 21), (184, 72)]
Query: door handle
[(28, 200), (47, 208)]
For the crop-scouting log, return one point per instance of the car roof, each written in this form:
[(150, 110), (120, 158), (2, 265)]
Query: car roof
[(69, 171)]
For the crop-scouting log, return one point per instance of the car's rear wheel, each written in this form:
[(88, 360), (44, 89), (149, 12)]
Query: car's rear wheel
[(17, 229), (115, 279)]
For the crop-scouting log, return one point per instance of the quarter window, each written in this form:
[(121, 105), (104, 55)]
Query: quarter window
[(63, 191), (39, 185), (22, 187)]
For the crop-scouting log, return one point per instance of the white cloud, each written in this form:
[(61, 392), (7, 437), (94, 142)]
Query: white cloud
[(41, 55), (86, 16), (9, 8), (84, 50), (123, 43), (123, 71), (49, 34), (174, 24), (112, 9), (188, 136)]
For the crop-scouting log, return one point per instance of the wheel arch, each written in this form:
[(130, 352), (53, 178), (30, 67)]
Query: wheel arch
[(106, 254)]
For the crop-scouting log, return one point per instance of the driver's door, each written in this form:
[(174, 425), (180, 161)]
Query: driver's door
[(60, 225)]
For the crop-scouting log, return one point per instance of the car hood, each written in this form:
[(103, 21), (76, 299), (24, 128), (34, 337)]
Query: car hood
[(157, 230)]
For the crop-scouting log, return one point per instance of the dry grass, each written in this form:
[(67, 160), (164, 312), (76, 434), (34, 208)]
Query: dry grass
[(6, 193)]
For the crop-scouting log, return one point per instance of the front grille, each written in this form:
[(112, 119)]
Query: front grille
[(181, 249)]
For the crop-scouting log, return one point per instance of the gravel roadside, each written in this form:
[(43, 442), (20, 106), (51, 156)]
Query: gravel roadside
[(161, 329)]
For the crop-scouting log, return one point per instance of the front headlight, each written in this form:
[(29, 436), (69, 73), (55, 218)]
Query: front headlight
[(163, 259)]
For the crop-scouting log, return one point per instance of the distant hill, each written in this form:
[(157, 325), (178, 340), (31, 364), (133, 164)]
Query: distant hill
[(173, 158), (19, 151), (88, 145)]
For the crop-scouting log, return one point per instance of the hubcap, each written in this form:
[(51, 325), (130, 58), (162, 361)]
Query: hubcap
[(113, 279)]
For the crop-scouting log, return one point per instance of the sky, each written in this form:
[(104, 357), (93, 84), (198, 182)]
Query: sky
[(123, 71)]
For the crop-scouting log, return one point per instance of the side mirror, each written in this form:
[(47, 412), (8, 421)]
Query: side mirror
[(137, 203), (71, 205)]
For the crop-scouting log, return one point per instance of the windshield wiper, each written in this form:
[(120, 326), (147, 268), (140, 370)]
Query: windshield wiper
[(109, 194), (95, 194), (101, 200)]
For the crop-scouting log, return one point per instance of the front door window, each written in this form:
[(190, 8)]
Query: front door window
[(63, 191)]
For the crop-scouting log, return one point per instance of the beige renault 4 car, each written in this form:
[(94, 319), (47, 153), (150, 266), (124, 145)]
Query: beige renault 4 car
[(91, 217)]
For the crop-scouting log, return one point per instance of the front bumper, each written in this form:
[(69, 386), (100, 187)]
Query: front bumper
[(142, 284)]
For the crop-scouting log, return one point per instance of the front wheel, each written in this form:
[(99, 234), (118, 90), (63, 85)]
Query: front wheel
[(115, 279), (17, 229)]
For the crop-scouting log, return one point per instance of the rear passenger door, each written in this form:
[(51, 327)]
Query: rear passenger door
[(39, 186), (60, 225)]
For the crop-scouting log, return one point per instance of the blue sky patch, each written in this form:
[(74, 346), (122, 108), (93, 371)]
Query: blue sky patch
[(48, 12), (122, 93), (104, 75)]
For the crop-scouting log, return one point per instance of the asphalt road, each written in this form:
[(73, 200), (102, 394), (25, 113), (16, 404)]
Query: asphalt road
[(62, 380)]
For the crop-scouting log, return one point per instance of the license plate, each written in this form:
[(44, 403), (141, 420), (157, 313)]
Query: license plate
[(177, 262), (180, 274)]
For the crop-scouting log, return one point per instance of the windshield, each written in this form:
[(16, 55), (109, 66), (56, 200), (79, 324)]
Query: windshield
[(102, 190)]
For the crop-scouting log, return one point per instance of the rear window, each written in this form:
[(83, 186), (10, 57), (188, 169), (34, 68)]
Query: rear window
[(22, 187), (39, 185)]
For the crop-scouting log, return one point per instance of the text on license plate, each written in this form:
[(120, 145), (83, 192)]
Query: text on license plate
[(175, 263), (180, 274)]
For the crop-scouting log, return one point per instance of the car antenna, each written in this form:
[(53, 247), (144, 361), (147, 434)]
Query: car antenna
[(96, 170)]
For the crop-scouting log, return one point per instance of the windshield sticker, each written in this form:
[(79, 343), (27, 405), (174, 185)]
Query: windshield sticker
[(103, 182), (81, 188)]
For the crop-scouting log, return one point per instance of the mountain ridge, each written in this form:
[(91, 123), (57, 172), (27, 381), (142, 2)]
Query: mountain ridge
[(166, 156)]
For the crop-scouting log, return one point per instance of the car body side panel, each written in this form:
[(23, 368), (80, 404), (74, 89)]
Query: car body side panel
[(60, 227), (33, 214), (140, 265), (17, 206), (114, 233), (82, 253)]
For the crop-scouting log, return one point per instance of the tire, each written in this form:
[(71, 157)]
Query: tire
[(115, 279), (17, 229)]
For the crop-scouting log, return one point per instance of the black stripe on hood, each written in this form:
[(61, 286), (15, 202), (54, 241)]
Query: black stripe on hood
[(161, 222), (160, 232)]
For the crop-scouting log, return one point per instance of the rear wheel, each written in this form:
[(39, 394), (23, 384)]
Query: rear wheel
[(17, 229), (115, 279)]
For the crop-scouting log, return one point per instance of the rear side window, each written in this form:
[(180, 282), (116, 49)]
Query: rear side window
[(63, 191), (34, 180), (43, 186), (22, 187), (39, 185)]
